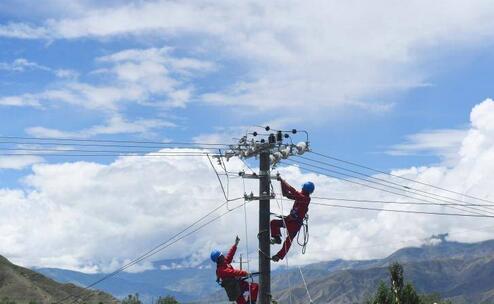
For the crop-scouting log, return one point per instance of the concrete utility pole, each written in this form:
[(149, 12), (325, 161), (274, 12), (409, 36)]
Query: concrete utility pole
[(270, 149), (264, 235)]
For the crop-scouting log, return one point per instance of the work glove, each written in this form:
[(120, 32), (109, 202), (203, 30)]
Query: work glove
[(278, 177), (237, 240)]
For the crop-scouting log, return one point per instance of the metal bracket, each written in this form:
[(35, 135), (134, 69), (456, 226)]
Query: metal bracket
[(254, 175), (251, 197)]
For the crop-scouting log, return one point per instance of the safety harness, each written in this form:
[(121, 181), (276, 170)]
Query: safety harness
[(304, 226), (231, 286)]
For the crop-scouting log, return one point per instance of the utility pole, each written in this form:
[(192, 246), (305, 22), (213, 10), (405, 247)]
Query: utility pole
[(264, 235), (270, 149)]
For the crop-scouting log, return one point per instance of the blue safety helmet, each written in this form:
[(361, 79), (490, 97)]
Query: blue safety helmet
[(308, 187), (215, 254)]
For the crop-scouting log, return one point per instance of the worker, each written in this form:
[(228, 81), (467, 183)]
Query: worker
[(233, 279), (294, 221)]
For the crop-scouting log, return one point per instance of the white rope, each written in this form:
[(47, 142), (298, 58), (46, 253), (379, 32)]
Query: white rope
[(280, 202), (246, 239)]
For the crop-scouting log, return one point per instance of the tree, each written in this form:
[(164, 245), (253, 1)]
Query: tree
[(132, 299), (399, 293), (167, 300)]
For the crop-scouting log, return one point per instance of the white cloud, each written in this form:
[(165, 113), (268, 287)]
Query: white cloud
[(21, 64), (444, 143), (119, 210), (18, 162), (114, 125), (148, 77), (316, 53)]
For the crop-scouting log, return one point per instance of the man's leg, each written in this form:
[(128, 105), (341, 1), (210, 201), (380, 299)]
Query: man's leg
[(292, 229), (276, 231), (244, 286)]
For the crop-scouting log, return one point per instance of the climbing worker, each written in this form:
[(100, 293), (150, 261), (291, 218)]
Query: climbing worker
[(294, 221), (233, 280)]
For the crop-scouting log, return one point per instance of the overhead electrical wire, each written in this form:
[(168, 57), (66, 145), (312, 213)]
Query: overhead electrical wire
[(395, 188), (112, 141), (388, 181), (404, 211), (400, 177), (172, 240), (373, 187), (389, 202)]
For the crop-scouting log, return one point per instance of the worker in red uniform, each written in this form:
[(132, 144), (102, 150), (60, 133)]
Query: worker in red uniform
[(231, 278), (294, 221)]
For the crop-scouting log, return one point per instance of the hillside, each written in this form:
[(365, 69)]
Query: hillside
[(23, 286)]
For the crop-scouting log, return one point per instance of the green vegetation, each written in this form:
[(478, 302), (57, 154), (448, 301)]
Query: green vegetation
[(134, 299), (400, 293)]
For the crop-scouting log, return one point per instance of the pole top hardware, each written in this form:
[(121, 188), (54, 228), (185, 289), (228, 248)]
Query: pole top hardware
[(252, 197), (278, 143)]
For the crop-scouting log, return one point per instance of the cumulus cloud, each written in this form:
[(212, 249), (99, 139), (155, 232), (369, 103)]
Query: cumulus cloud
[(94, 217)]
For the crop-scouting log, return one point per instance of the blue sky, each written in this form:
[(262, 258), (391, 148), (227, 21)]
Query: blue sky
[(386, 85)]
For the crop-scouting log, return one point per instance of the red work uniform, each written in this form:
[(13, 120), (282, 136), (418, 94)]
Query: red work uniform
[(294, 220), (226, 270)]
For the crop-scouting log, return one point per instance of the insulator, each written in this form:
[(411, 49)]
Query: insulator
[(262, 141), (294, 131), (285, 152), (301, 147), (279, 136), (272, 159), (254, 134), (267, 128), (286, 135), (272, 138)]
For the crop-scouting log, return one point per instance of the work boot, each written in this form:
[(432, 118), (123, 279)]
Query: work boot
[(276, 240), (275, 258)]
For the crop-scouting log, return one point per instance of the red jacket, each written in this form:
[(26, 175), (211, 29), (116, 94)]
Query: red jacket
[(302, 200), (226, 270)]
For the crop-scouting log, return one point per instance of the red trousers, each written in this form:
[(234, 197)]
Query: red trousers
[(292, 227), (254, 289)]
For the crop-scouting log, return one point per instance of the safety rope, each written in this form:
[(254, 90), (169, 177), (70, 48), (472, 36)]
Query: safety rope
[(280, 203), (305, 231), (246, 242)]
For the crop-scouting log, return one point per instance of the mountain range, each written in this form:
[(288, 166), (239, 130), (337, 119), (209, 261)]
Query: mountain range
[(462, 272)]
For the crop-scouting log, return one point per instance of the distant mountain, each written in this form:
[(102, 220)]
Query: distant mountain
[(463, 273), (23, 286), (185, 283), (444, 268)]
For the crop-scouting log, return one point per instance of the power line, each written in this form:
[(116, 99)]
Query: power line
[(168, 145), (398, 188), (159, 247), (392, 183), (102, 151), (400, 177), (404, 211), (112, 141), (389, 202), (372, 187), (97, 155)]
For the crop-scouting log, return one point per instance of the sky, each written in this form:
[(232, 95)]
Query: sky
[(398, 87)]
